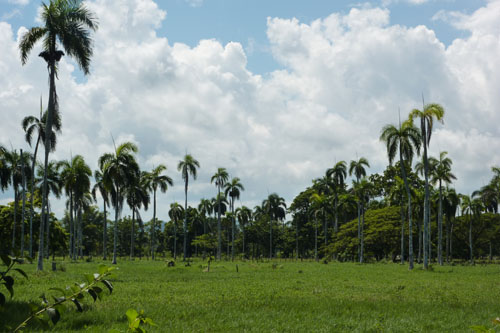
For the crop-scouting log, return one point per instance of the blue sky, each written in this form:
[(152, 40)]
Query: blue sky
[(274, 91)]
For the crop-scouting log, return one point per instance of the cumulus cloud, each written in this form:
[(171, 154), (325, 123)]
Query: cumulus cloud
[(344, 78)]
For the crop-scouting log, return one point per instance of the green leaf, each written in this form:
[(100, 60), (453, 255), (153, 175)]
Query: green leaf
[(109, 285), (59, 299), (93, 294), (2, 299), (9, 280), (78, 305), (102, 269), (98, 292), (60, 308), (75, 288), (150, 322), (34, 307), (21, 272), (140, 330), (11, 290), (53, 315), (89, 278), (5, 259), (43, 322), (131, 315), (60, 290), (80, 296)]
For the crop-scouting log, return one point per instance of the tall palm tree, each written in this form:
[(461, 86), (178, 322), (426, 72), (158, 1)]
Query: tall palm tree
[(137, 197), (244, 215), (154, 181), (472, 207), (362, 189), (120, 169), (451, 201), (54, 186), (233, 190), (442, 173), (338, 175), (275, 208), (205, 208), (175, 213), (32, 125), (69, 23), (358, 169), (404, 140), (187, 166), (318, 201), (427, 115), (220, 178), (100, 187)]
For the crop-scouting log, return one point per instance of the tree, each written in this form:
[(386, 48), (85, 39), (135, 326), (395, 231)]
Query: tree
[(154, 181), (275, 208), (318, 207), (472, 208), (205, 208), (175, 213), (54, 186), (442, 173), (137, 197), (233, 190), (405, 141), (244, 215), (358, 169), (220, 178), (362, 189), (120, 169), (451, 201), (187, 166), (68, 22), (427, 115), (100, 187), (32, 124), (338, 175)]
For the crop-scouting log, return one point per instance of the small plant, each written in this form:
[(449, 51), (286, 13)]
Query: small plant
[(484, 329), (135, 320), (8, 280), (50, 311)]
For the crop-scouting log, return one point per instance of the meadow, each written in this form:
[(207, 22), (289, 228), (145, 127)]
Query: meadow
[(280, 296)]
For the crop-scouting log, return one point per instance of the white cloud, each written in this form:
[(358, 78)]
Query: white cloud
[(19, 2), (345, 77), (411, 2), (195, 3)]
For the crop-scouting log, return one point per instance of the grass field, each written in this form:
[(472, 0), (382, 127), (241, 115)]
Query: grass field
[(279, 296)]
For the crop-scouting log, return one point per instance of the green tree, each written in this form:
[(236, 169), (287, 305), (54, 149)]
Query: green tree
[(406, 142), (220, 178), (338, 175), (472, 207), (244, 215), (68, 22), (275, 208), (137, 197), (205, 208), (233, 190), (358, 169), (154, 181), (427, 115), (175, 213), (32, 125), (318, 203), (187, 166), (120, 169), (100, 187)]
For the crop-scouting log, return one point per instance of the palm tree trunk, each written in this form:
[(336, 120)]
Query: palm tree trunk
[(24, 203), (80, 231), (219, 228), (470, 240), (71, 225), (132, 235), (47, 231), (297, 239), (185, 216), (451, 241), (33, 164), (270, 238), (48, 135), (175, 238), (15, 221), (426, 244), (447, 228), (402, 232), (153, 226), (104, 234), (115, 227), (315, 238), (232, 228), (440, 227), (408, 193), (362, 232), (359, 232), (336, 226), (325, 230)]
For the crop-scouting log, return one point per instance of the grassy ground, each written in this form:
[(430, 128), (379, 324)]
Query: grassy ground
[(279, 296)]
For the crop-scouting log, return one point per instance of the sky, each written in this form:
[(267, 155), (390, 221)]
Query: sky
[(274, 91)]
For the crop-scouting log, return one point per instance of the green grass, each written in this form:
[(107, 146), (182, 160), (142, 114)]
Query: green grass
[(292, 297)]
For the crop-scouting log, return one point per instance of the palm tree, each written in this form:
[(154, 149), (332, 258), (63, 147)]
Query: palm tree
[(233, 190), (406, 141), (220, 178), (69, 23), (100, 187), (451, 201), (54, 186), (427, 115), (362, 189), (187, 166), (205, 208), (338, 175), (358, 169), (137, 196), (318, 201), (275, 208), (120, 169), (244, 215), (442, 173), (175, 213), (154, 181), (472, 207), (32, 124)]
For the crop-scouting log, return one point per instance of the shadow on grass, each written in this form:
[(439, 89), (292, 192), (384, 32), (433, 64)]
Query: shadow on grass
[(14, 313)]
